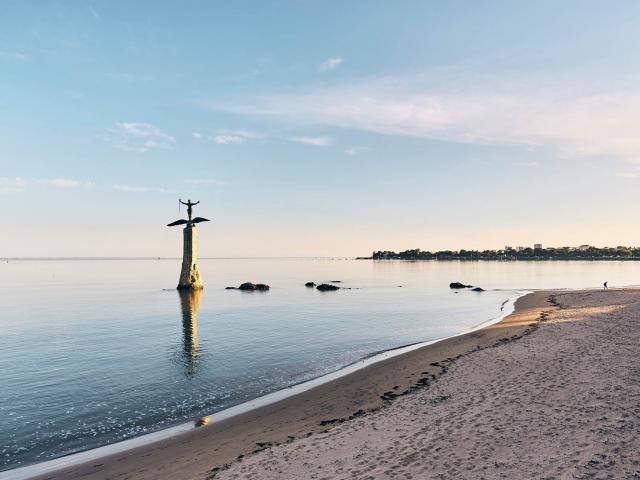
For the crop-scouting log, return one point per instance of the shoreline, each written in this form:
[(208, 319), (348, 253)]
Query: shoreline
[(36, 470), (558, 398), (311, 406)]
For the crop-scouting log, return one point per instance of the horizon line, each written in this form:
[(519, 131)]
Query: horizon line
[(171, 258)]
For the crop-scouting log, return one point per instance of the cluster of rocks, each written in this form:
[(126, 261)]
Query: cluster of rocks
[(262, 287), (251, 287), (458, 285), (323, 287)]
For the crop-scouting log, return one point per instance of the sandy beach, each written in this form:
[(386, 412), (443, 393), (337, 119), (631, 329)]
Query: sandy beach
[(552, 391)]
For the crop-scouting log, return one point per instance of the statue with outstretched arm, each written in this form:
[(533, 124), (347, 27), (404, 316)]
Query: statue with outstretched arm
[(189, 205)]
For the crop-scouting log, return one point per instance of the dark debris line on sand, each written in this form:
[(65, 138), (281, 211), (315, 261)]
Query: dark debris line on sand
[(424, 382)]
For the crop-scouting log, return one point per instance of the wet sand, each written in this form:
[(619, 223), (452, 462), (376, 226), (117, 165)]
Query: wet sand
[(552, 391)]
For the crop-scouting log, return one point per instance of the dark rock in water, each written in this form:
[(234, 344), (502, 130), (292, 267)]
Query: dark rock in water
[(325, 287), (478, 289), (248, 286), (310, 284), (459, 285), (230, 288), (336, 281)]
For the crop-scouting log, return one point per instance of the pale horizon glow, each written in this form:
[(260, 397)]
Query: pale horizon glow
[(318, 128)]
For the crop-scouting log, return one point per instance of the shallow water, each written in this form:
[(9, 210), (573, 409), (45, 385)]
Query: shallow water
[(94, 351)]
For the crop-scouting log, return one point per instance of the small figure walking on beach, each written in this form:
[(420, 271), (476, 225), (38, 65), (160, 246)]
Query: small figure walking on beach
[(605, 286)]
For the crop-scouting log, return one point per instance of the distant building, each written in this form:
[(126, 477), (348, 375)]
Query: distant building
[(508, 247), (519, 249), (584, 248), (537, 246)]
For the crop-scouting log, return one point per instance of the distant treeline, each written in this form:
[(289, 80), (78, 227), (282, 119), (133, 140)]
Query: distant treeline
[(562, 253)]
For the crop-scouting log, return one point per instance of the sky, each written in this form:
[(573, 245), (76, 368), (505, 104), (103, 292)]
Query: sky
[(317, 128)]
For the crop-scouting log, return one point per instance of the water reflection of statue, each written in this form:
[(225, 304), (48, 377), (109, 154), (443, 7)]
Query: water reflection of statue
[(190, 304)]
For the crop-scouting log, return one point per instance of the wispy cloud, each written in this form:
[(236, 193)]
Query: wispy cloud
[(130, 77), (352, 151), (18, 184), (196, 135), (123, 187), (206, 182), (17, 56), (65, 183), (12, 185), (130, 188), (330, 64), (138, 137), (315, 141), (569, 116), (144, 130), (229, 137)]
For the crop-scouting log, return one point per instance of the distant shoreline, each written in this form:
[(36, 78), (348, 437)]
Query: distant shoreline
[(583, 252), (535, 259)]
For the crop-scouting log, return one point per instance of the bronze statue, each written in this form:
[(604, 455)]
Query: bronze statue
[(189, 205)]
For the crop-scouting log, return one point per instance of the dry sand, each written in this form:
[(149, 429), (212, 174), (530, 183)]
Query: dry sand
[(557, 398)]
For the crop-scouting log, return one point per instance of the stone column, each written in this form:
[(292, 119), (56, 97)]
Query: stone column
[(190, 273)]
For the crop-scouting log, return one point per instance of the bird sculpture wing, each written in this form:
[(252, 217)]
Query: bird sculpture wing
[(200, 219), (177, 222)]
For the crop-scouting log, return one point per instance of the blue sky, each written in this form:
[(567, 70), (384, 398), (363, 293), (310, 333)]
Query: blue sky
[(317, 128)]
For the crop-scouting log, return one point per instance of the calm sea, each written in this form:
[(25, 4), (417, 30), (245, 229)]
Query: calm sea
[(95, 351)]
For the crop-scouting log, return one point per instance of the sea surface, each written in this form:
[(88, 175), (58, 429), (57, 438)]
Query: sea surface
[(96, 351)]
